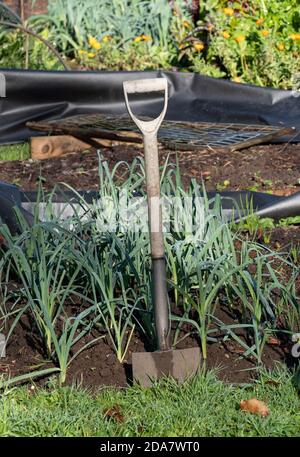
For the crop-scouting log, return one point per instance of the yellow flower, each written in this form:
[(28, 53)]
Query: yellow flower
[(237, 79), (91, 40), (199, 46), (226, 34), (186, 24), (228, 11), (240, 38), (106, 38), (265, 33), (91, 55), (94, 43), (137, 39), (81, 52), (281, 47), (260, 21), (295, 36), (146, 38)]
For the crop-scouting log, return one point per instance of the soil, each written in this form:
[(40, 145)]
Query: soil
[(98, 365), (267, 168)]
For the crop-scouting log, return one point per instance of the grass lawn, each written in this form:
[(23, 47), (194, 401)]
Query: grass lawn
[(202, 407), (15, 152)]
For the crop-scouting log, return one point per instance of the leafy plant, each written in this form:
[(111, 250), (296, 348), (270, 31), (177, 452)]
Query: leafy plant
[(250, 42), (256, 227)]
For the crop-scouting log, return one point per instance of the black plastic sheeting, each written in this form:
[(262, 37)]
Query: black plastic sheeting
[(233, 204), (10, 198), (41, 95)]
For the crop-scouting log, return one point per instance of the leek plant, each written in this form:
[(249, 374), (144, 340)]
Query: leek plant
[(45, 287), (98, 259), (114, 301), (287, 308), (75, 20)]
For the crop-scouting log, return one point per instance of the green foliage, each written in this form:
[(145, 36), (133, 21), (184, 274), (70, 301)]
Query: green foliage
[(203, 407), (15, 152), (255, 42), (295, 220), (74, 21), (19, 50), (11, 45), (256, 227), (132, 34)]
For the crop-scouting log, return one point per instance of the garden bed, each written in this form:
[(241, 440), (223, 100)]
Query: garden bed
[(268, 168), (98, 365), (271, 168)]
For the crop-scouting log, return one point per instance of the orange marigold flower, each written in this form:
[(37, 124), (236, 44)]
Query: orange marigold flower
[(228, 11), (281, 47), (295, 36), (186, 24), (265, 33), (146, 37), (260, 21), (240, 38), (199, 46), (226, 34), (94, 43)]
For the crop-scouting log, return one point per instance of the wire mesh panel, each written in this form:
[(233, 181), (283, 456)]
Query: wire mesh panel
[(172, 134)]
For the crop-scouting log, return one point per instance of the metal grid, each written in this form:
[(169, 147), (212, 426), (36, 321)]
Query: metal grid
[(172, 134)]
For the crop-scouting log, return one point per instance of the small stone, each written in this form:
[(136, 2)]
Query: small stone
[(2, 345)]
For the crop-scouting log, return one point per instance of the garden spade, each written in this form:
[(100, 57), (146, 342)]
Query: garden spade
[(165, 361)]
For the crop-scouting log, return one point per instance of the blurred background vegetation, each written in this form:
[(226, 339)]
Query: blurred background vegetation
[(253, 42)]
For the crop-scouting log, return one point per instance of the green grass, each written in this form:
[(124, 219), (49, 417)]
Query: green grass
[(202, 407), (15, 152)]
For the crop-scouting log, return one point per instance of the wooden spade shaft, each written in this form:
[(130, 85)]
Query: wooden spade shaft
[(149, 130)]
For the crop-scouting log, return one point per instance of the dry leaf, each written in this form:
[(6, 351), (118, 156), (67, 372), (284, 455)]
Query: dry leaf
[(114, 413), (254, 406)]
